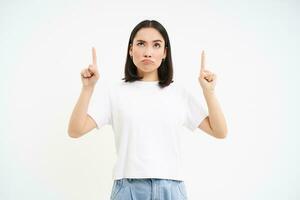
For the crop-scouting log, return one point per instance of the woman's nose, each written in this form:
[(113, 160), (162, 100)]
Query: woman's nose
[(148, 52)]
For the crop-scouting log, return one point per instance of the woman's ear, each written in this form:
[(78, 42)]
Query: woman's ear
[(165, 53)]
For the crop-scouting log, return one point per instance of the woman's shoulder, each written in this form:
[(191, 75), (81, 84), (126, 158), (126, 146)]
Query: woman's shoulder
[(115, 86), (177, 86)]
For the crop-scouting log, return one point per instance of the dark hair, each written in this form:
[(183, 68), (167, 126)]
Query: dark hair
[(165, 70)]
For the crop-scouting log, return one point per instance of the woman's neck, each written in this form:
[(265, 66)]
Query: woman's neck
[(149, 76)]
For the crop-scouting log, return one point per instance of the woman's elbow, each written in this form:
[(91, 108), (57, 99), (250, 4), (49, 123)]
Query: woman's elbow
[(221, 134), (73, 134)]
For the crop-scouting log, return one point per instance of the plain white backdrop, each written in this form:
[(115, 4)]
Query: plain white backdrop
[(251, 46)]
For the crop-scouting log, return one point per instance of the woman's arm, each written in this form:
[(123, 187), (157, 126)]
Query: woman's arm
[(80, 123), (215, 123)]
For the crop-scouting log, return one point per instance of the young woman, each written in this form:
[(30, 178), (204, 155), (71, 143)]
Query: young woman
[(146, 112)]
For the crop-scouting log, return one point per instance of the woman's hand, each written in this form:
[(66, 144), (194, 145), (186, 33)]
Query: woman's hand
[(90, 75), (206, 78)]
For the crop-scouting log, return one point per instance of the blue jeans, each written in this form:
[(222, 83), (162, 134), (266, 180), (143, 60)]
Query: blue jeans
[(148, 189)]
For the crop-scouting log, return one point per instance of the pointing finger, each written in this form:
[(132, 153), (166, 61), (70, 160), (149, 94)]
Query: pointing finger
[(94, 57), (202, 60)]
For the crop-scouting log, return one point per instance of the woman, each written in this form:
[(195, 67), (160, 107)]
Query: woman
[(146, 112)]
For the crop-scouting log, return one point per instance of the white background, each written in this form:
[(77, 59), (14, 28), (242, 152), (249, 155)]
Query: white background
[(252, 47)]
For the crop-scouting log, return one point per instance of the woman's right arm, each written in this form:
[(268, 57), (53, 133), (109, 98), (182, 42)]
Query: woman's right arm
[(80, 122)]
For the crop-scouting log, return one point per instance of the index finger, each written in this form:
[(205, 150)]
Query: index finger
[(202, 60), (94, 56)]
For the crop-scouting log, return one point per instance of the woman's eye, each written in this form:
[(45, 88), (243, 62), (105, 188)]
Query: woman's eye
[(156, 45)]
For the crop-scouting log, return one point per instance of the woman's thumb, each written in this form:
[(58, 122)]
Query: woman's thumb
[(91, 69)]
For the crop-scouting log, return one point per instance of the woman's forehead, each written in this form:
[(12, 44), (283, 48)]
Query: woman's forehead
[(148, 35)]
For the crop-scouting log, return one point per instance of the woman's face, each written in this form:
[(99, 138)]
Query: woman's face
[(147, 50)]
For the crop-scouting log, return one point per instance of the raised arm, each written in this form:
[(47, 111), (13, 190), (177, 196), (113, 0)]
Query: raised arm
[(80, 122), (215, 123)]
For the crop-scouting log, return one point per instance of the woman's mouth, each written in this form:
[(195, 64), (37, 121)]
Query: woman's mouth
[(147, 61)]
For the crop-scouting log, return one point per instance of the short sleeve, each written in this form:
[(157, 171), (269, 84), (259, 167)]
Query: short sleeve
[(100, 106), (195, 112)]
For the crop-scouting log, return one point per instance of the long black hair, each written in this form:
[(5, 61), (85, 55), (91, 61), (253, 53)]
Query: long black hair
[(165, 70)]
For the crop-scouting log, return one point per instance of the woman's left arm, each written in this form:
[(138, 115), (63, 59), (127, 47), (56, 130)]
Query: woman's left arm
[(215, 123)]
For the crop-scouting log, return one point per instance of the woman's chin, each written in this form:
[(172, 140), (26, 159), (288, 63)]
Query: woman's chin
[(147, 69)]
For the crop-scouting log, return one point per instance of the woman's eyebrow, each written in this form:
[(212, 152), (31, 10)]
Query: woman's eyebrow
[(145, 41)]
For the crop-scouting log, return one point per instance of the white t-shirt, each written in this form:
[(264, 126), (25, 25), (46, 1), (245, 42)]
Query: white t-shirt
[(147, 121)]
